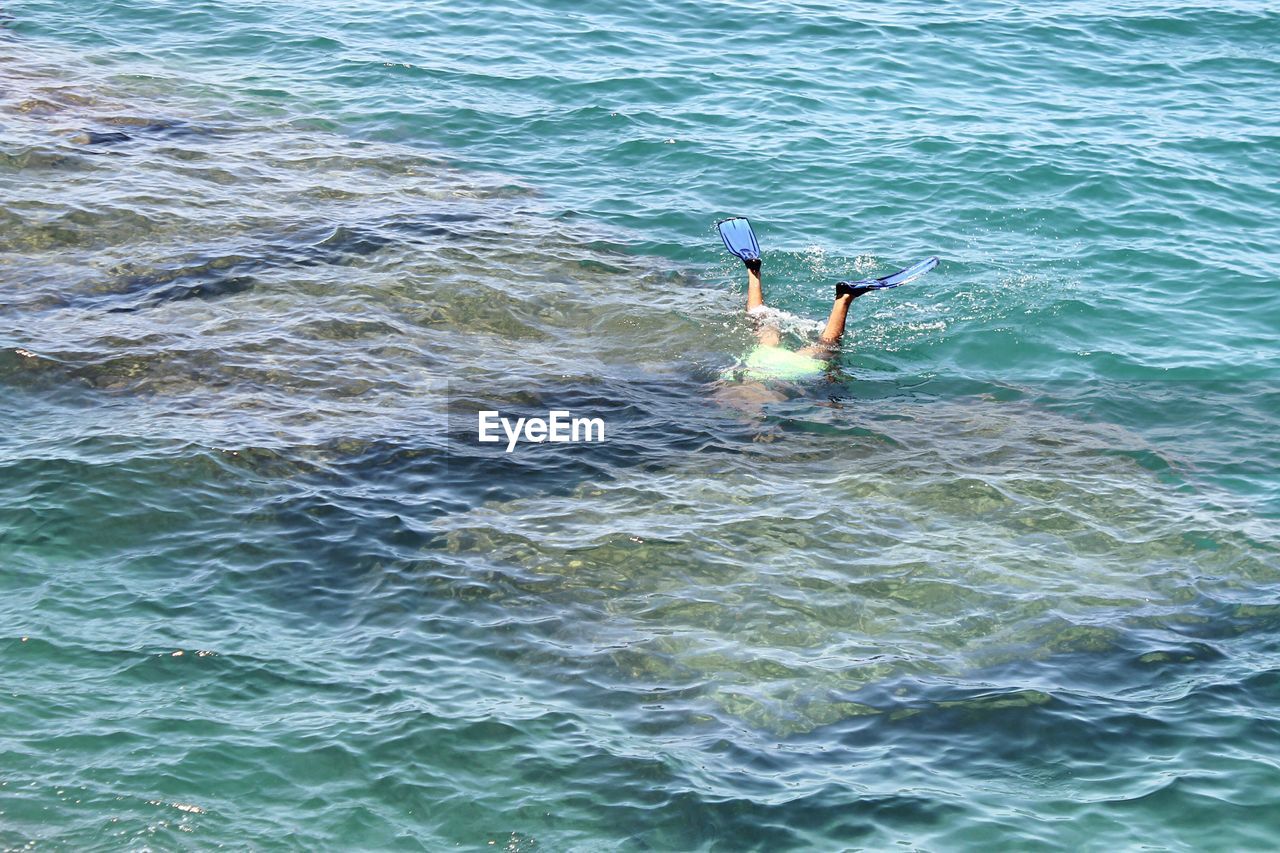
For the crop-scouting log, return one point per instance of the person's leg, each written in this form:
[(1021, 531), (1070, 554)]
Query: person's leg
[(836, 319), (755, 288), (834, 331), (766, 333)]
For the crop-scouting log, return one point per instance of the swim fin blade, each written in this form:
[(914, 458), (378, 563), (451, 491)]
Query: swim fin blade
[(739, 238), (900, 277)]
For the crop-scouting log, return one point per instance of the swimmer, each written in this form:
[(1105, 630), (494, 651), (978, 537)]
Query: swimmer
[(770, 359)]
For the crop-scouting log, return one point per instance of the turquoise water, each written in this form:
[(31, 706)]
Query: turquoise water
[(1009, 577)]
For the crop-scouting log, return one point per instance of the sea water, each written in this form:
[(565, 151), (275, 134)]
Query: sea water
[(1008, 576)]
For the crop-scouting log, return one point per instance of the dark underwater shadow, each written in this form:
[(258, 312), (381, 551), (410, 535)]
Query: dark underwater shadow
[(215, 276), (120, 131)]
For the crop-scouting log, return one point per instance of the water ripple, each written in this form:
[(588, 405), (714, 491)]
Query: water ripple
[(1008, 579)]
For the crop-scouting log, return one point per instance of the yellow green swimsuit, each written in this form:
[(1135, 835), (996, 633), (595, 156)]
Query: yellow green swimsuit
[(767, 362)]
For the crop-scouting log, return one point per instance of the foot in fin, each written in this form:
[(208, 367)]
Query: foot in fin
[(848, 288), (900, 277), (739, 239)]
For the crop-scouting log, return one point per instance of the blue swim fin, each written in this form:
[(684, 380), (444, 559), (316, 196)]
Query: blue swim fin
[(902, 276), (739, 238)]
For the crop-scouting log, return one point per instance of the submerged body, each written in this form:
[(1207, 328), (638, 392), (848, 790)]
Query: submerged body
[(769, 361), (776, 362)]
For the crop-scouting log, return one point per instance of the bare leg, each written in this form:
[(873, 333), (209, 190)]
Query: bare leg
[(767, 334), (751, 397), (755, 288), (834, 331), (835, 320)]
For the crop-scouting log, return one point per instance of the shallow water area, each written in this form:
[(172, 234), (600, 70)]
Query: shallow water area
[(1007, 576)]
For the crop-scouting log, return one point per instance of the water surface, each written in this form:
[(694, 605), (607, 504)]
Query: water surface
[(1009, 578)]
